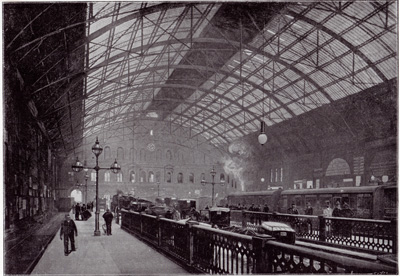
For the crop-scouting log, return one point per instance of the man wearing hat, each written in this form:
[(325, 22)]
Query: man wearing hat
[(68, 229)]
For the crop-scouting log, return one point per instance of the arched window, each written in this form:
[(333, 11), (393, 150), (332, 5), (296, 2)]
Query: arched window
[(158, 176), (132, 177), (180, 178), (120, 153), (142, 176), (93, 176), (168, 155), (107, 153), (203, 176), (338, 166), (107, 177), (222, 177), (119, 177), (191, 178), (227, 178), (168, 177), (151, 176)]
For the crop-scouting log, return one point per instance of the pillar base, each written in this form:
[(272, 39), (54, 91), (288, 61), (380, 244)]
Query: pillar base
[(97, 233)]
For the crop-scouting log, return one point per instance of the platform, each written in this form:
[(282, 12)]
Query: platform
[(120, 253)]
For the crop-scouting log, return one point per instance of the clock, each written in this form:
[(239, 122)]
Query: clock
[(151, 147)]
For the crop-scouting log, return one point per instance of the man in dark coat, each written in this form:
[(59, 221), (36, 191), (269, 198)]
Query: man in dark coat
[(108, 217), (68, 229), (266, 208), (77, 211)]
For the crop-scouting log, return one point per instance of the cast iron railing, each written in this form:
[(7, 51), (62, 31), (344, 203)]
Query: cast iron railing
[(206, 250), (366, 234)]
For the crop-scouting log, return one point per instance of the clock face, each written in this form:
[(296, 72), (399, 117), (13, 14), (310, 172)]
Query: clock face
[(151, 147)]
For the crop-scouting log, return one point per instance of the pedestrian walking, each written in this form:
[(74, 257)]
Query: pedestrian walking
[(108, 217), (68, 229)]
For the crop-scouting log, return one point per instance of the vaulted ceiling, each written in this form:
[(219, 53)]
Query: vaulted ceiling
[(215, 68)]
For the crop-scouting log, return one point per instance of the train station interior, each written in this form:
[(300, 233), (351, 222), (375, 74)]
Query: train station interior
[(220, 103)]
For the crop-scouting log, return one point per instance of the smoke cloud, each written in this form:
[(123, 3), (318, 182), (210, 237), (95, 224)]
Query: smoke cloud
[(236, 162)]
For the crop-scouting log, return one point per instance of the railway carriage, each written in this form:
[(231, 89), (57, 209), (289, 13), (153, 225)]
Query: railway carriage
[(369, 202), (271, 197)]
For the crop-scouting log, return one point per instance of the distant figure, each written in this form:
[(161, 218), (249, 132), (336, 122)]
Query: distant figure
[(327, 212), (108, 217), (266, 208), (194, 214), (336, 225), (309, 212), (337, 211), (68, 229), (176, 215), (309, 209), (168, 214), (77, 211), (346, 211), (252, 216), (293, 210)]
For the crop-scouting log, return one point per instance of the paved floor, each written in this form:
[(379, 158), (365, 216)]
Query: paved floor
[(118, 254)]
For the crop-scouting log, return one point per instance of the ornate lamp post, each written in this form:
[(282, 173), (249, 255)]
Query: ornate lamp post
[(86, 178), (203, 182), (115, 168)]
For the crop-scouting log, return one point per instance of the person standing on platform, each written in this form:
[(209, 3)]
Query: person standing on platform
[(68, 229), (327, 212), (266, 208), (336, 225), (108, 217), (293, 211), (309, 212), (347, 213), (77, 211)]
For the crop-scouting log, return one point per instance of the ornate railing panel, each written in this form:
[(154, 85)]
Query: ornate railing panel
[(214, 251), (174, 238), (221, 252), (286, 258), (374, 235), (149, 228), (368, 234)]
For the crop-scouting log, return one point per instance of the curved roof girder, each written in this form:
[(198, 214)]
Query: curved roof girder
[(345, 42), (177, 100), (234, 102), (141, 12), (223, 41), (173, 112)]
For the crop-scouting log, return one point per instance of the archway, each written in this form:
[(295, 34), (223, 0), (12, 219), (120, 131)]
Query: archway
[(76, 195)]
